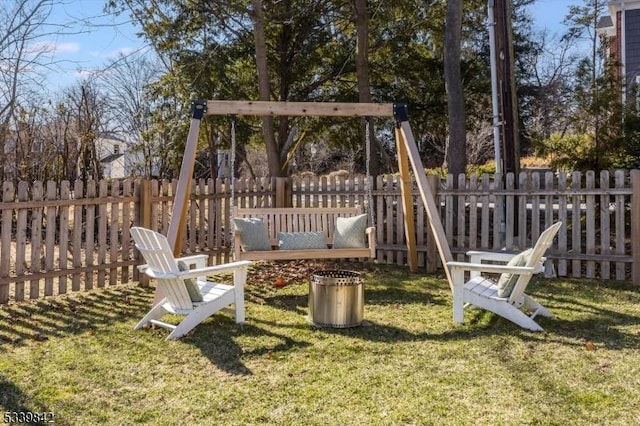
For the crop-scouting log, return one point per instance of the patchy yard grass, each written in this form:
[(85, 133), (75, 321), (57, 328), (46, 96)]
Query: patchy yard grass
[(78, 357)]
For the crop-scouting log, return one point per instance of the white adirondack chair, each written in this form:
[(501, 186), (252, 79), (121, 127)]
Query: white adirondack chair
[(164, 268), (482, 292)]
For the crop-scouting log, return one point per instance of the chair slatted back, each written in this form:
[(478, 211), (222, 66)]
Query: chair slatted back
[(545, 240), (158, 254)]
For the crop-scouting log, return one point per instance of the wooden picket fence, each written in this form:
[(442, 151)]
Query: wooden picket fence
[(58, 238)]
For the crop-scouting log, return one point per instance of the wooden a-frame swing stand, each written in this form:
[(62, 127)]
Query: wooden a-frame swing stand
[(407, 154)]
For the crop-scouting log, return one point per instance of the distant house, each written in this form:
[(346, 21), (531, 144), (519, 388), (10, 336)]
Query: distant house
[(111, 152), (622, 29)]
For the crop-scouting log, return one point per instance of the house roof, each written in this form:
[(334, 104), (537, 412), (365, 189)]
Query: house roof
[(111, 158), (605, 22)]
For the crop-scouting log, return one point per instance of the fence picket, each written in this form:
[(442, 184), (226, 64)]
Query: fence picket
[(90, 212), (620, 225), (114, 227), (35, 239), (498, 212), (63, 260), (127, 221), (103, 192), (534, 227), (605, 223), (590, 224), (461, 216), (473, 212), (21, 239), (576, 227), (510, 211), (485, 212), (88, 229), (448, 209), (76, 241), (389, 201), (563, 217), (50, 236), (8, 196)]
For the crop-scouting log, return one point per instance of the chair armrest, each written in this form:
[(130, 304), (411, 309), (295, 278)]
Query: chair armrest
[(479, 256), (201, 272), (232, 266), (200, 260)]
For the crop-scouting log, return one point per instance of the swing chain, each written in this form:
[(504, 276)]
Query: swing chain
[(232, 161), (369, 180)]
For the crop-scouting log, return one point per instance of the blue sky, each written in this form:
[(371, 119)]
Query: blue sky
[(98, 39), (550, 13), (89, 40)]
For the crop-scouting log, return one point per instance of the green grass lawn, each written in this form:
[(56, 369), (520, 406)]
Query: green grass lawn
[(79, 358)]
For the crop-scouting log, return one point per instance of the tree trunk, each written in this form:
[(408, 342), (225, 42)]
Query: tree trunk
[(456, 147), (362, 73), (273, 155)]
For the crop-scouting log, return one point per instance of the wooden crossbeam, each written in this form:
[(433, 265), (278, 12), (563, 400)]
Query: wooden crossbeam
[(308, 109)]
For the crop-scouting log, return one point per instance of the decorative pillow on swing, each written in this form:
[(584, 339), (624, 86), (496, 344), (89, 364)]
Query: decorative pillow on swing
[(253, 234), (349, 232), (301, 240)]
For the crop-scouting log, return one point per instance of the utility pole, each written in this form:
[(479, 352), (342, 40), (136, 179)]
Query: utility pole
[(506, 87)]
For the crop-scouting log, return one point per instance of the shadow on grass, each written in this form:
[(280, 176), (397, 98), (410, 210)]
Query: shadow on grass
[(14, 410), (216, 339), (597, 312), (585, 311), (383, 285), (71, 314)]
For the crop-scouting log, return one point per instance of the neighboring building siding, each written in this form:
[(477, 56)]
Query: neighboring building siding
[(632, 41)]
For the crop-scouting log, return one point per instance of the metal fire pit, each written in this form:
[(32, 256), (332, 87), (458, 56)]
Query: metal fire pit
[(336, 299)]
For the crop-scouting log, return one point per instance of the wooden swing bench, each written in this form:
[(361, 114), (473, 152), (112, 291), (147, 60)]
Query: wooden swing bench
[(301, 222)]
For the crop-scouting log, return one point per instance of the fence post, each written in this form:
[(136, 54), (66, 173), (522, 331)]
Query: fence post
[(635, 226), (144, 217), (283, 192), (144, 204)]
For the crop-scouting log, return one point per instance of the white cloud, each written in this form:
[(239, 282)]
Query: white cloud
[(68, 48), (84, 73), (54, 48), (112, 54)]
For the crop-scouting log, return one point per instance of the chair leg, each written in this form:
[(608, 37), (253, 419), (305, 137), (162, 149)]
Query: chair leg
[(201, 313), (239, 278), (155, 313), (458, 295), (516, 316), (536, 307), (187, 324), (198, 315), (505, 310)]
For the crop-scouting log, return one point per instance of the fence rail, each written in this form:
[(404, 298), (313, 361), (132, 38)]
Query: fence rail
[(59, 238)]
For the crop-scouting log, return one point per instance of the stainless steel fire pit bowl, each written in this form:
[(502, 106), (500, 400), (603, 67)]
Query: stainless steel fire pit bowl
[(336, 299)]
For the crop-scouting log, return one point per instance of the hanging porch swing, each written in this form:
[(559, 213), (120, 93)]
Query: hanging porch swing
[(292, 233)]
